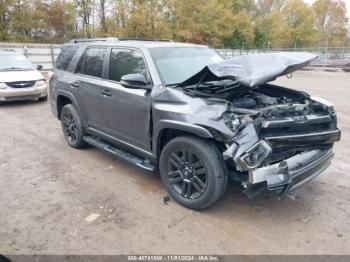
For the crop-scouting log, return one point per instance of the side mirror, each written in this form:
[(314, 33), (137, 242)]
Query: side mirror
[(137, 81), (39, 67)]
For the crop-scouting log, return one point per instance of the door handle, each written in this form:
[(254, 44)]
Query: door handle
[(106, 93), (74, 84)]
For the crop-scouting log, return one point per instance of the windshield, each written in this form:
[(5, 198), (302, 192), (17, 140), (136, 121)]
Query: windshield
[(14, 62), (177, 64)]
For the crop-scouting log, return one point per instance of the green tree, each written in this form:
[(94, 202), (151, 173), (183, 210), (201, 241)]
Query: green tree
[(242, 27), (5, 18), (103, 22), (266, 7), (243, 31), (331, 22), (84, 9), (22, 21), (61, 20), (274, 29), (199, 21), (229, 23), (301, 20)]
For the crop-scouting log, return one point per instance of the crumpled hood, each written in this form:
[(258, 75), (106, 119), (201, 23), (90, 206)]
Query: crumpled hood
[(253, 70), (13, 76)]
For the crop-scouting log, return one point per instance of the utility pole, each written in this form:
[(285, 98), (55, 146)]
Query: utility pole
[(93, 18), (268, 46)]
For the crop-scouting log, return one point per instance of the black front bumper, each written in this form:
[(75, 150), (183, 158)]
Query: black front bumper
[(293, 172)]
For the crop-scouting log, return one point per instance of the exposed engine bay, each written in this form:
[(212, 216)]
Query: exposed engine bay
[(274, 114), (256, 104), (281, 138), (275, 129), (271, 103)]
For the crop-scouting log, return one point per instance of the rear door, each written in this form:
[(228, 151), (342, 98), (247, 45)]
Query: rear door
[(128, 110), (89, 87)]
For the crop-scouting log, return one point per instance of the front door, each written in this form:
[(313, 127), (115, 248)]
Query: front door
[(128, 111)]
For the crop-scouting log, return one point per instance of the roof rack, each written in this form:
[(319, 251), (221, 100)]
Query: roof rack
[(87, 40), (114, 39), (7, 49), (145, 39)]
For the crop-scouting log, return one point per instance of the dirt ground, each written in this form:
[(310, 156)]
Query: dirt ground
[(57, 200)]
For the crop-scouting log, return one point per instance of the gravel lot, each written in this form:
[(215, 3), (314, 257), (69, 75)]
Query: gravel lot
[(57, 200)]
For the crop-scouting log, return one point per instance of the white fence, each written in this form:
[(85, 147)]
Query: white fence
[(38, 54), (45, 55)]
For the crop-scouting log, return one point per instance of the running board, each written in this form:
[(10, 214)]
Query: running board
[(144, 164)]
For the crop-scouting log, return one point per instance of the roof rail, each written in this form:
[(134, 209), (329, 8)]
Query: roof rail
[(145, 39), (87, 40), (7, 49)]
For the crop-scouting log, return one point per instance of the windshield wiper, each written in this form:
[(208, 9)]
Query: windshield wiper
[(215, 87), (171, 85)]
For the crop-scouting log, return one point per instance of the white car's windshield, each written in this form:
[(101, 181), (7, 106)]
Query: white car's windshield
[(177, 64), (14, 62)]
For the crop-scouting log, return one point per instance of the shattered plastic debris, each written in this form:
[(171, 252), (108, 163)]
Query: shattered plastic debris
[(292, 196), (166, 200), (92, 217)]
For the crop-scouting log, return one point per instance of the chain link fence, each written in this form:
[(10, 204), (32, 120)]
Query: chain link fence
[(328, 57), (46, 55)]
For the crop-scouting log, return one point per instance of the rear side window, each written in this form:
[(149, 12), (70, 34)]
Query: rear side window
[(65, 57), (92, 62), (123, 62)]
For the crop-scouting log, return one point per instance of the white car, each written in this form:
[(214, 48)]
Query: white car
[(19, 79)]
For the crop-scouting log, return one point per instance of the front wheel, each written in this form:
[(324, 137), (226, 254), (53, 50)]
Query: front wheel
[(193, 172)]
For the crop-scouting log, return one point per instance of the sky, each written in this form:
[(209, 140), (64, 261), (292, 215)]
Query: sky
[(347, 2)]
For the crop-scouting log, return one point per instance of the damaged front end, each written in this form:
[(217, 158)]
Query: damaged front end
[(283, 149), (282, 138)]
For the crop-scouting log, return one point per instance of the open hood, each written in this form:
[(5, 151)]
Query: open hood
[(252, 70)]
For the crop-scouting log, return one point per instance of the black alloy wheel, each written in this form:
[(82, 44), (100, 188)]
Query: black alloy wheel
[(193, 171), (71, 126), (186, 174)]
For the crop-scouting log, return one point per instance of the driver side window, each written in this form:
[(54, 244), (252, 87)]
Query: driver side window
[(123, 62)]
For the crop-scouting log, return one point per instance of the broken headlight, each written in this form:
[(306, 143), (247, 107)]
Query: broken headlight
[(3, 86), (255, 155), (233, 121)]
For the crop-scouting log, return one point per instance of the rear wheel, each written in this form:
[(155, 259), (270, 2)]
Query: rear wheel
[(193, 172), (71, 126)]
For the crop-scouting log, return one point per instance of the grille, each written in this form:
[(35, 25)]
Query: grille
[(21, 84), (288, 137), (298, 126), (293, 130)]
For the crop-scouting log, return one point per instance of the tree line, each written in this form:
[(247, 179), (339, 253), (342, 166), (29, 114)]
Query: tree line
[(220, 23)]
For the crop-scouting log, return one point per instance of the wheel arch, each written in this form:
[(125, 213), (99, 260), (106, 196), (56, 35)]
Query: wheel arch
[(169, 129), (63, 98)]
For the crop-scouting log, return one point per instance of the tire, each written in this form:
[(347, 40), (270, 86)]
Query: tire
[(72, 127), (43, 99), (205, 172)]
